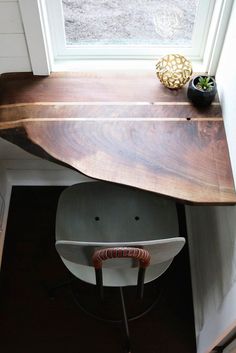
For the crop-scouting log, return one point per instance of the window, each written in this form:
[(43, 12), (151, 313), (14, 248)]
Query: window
[(116, 22), (63, 34), (134, 29)]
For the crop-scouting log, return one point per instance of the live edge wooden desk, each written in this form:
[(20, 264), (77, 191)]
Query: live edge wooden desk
[(123, 128)]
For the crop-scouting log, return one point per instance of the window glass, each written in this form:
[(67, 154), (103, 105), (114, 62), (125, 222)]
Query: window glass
[(132, 22)]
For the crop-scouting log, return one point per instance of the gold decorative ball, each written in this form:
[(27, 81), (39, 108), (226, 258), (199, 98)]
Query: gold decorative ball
[(174, 70)]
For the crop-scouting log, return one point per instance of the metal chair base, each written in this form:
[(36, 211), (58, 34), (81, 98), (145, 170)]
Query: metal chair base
[(124, 317), (124, 321)]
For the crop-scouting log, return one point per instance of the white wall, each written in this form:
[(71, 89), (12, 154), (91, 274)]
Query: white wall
[(13, 48), (11, 152), (226, 76), (212, 233), (14, 57), (5, 191), (213, 229)]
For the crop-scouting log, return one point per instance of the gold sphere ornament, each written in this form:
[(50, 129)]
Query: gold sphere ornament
[(174, 70)]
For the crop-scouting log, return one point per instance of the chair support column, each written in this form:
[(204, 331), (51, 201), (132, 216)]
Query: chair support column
[(125, 321)]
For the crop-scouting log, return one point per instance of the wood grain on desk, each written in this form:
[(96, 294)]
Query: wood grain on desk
[(124, 128)]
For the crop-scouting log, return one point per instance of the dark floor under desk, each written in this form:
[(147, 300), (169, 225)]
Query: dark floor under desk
[(31, 322)]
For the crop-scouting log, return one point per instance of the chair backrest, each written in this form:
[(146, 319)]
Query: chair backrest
[(98, 215)]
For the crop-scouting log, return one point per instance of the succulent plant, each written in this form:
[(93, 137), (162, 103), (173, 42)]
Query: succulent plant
[(205, 84)]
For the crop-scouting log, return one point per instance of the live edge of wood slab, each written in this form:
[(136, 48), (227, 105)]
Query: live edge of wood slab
[(124, 128)]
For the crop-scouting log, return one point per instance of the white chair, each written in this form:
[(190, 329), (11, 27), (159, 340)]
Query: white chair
[(116, 236)]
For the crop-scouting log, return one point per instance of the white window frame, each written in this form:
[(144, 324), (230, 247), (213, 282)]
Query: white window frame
[(48, 54), (76, 52)]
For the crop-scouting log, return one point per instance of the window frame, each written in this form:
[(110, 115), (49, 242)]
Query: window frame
[(37, 31), (135, 52)]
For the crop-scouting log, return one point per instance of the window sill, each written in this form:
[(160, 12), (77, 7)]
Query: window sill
[(112, 65)]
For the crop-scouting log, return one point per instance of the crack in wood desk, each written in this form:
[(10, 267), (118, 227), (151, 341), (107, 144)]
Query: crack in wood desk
[(124, 128)]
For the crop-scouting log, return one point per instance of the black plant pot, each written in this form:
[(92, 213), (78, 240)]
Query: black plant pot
[(201, 98)]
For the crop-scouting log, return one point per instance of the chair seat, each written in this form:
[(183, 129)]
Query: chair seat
[(96, 215)]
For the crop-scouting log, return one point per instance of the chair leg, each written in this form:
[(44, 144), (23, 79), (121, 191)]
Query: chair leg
[(125, 321), (140, 286), (99, 283)]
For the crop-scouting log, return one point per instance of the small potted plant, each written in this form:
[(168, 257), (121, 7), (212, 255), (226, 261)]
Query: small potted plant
[(202, 90)]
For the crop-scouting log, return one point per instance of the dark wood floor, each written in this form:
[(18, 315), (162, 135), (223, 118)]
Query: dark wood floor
[(31, 322)]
